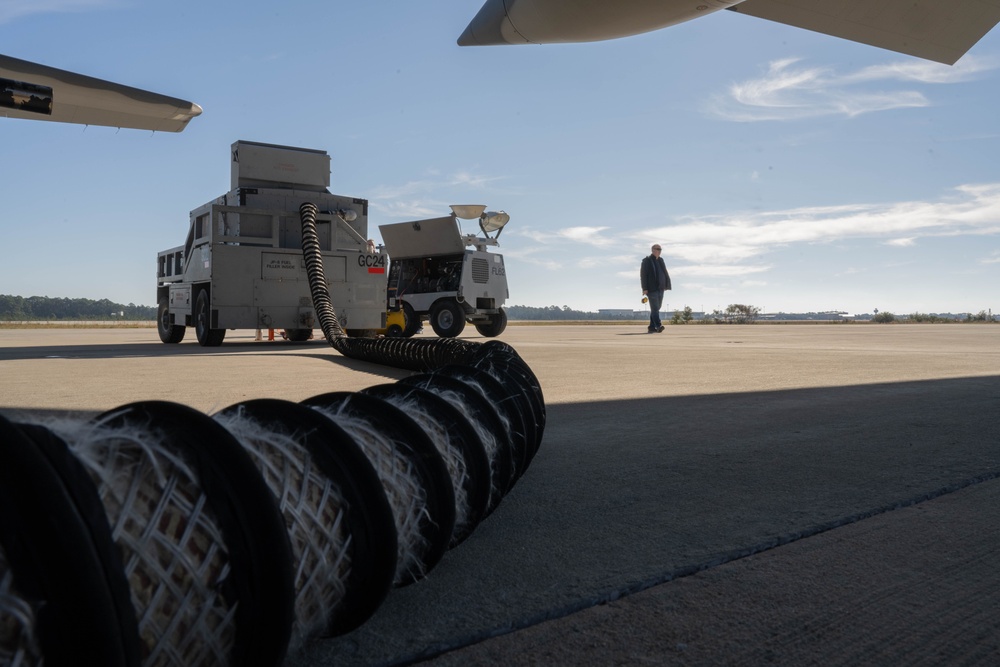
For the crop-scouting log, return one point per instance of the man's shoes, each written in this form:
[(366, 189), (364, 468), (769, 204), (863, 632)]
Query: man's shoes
[(659, 329), (650, 330)]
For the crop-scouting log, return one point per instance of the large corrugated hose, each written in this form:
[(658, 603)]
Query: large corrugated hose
[(313, 257), (234, 538), (412, 354)]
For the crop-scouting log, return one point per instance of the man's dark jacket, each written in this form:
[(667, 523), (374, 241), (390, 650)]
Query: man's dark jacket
[(648, 276)]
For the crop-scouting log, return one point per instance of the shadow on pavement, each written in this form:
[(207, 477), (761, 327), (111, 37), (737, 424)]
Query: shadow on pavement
[(624, 495)]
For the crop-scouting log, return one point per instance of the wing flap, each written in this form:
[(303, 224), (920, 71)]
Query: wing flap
[(33, 91), (938, 30)]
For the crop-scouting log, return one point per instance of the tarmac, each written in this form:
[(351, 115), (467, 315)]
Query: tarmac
[(795, 494)]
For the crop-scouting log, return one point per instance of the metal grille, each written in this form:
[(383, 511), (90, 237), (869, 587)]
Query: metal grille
[(480, 270)]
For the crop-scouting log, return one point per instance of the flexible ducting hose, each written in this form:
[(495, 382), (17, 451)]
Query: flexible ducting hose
[(232, 539), (408, 353), (417, 355), (259, 528), (414, 354), (317, 277)]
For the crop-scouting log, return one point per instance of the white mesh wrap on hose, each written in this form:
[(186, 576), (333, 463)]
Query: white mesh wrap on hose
[(406, 494), (514, 462), (172, 549), (314, 511), (489, 440), (18, 643), (453, 458)]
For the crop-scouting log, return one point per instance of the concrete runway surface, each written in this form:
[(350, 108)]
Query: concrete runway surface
[(769, 494)]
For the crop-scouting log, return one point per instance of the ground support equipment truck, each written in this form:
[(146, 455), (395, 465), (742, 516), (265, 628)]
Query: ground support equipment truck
[(241, 266), (440, 275)]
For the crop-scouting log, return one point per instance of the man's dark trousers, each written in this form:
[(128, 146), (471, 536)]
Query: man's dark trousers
[(655, 301)]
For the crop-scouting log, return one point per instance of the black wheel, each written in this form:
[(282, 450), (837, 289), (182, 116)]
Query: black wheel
[(169, 333), (495, 326), (298, 335), (394, 331), (447, 318), (207, 337), (411, 319)]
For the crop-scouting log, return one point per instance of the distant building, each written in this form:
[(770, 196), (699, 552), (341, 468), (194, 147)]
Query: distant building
[(616, 313)]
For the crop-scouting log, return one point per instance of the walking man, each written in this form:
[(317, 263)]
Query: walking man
[(655, 280)]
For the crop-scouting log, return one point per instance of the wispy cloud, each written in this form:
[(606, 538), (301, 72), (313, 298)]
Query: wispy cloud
[(11, 10), (410, 208), (593, 236), (791, 90), (737, 244), (723, 270), (536, 256), (605, 261), (923, 71), (435, 182), (969, 210), (430, 196)]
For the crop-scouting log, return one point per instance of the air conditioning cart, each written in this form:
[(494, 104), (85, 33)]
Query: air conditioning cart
[(445, 277)]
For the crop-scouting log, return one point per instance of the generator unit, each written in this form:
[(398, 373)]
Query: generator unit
[(446, 277), (241, 266)]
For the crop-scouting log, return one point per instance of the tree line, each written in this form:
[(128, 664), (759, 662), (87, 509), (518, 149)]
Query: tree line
[(19, 308), (734, 314), (564, 313)]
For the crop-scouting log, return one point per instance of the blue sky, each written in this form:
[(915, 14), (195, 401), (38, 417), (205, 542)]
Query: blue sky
[(777, 167)]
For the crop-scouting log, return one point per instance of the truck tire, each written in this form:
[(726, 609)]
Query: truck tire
[(298, 335), (207, 337), (412, 321), (169, 333), (447, 318), (495, 326)]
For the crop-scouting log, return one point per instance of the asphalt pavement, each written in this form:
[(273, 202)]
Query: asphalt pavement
[(767, 494)]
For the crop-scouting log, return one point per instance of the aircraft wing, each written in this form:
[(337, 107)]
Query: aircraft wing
[(33, 91), (939, 30)]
